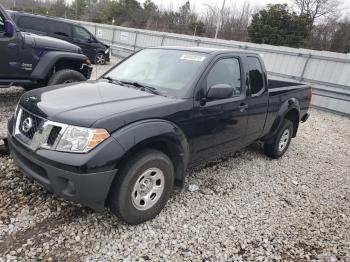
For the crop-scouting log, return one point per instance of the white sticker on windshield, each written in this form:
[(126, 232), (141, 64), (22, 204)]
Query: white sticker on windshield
[(197, 58)]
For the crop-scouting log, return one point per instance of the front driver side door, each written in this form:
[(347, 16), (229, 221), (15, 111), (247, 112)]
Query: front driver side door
[(85, 40), (9, 48), (220, 125)]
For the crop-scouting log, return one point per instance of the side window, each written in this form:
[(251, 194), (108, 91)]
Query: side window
[(81, 33), (2, 24), (255, 75), (226, 71), (58, 28), (32, 23)]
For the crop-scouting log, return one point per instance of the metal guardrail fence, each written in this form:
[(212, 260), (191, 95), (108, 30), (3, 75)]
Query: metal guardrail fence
[(327, 72)]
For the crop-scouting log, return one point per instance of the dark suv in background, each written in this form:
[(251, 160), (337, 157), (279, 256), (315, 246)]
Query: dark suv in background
[(96, 51)]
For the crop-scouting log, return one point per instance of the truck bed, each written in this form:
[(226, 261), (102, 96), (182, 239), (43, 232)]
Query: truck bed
[(279, 83)]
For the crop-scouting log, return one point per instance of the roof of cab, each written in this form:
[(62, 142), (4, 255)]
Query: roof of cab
[(207, 50), (57, 19)]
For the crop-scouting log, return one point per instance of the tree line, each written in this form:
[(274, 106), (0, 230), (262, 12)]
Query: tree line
[(313, 24)]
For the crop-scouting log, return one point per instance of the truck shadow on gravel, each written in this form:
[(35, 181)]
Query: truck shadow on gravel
[(213, 182), (37, 234)]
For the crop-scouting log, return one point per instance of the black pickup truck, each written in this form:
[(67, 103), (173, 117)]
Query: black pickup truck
[(125, 140)]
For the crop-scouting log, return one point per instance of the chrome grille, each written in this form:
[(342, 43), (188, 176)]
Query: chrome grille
[(55, 131), (36, 124), (37, 132)]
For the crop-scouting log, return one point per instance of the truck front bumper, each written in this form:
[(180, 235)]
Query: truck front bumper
[(89, 189), (86, 70)]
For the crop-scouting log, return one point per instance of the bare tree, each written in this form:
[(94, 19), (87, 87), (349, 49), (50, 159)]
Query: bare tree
[(210, 19), (234, 24), (317, 8)]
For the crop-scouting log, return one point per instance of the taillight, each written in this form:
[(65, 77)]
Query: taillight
[(309, 98)]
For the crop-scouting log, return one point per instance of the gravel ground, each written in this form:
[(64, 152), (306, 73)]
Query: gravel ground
[(248, 207)]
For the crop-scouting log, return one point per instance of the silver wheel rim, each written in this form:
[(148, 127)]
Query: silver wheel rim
[(100, 59), (284, 140), (148, 189)]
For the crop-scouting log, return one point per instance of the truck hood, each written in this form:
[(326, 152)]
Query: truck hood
[(49, 43), (97, 104)]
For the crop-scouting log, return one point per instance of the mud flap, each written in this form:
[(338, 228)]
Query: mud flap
[(4, 148)]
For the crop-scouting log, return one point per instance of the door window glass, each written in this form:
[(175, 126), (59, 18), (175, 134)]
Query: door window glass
[(81, 33), (2, 24), (32, 23), (58, 28), (255, 75), (226, 71)]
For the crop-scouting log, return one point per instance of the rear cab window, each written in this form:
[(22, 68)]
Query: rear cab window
[(256, 76)]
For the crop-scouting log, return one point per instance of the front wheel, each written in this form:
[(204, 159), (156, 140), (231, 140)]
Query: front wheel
[(281, 140), (65, 77), (143, 187), (100, 59)]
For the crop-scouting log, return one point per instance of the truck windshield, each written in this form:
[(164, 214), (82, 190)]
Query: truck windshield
[(169, 71)]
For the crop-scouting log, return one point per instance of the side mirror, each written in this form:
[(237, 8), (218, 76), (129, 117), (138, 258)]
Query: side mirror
[(9, 28), (220, 91), (92, 39)]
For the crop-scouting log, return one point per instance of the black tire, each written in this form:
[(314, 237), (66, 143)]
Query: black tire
[(66, 76), (275, 149), (100, 59), (121, 197)]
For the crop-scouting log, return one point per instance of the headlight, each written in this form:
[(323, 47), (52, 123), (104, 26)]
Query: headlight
[(80, 139), (107, 51)]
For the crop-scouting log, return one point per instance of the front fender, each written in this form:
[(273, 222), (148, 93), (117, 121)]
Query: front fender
[(147, 131), (48, 60)]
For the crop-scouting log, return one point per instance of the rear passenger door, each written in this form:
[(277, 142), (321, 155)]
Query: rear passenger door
[(220, 125), (257, 97)]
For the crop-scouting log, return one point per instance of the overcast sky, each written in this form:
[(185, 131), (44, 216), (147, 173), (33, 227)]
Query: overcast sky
[(200, 5)]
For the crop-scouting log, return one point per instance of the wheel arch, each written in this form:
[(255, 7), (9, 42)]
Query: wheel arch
[(294, 116), (161, 135), (290, 110), (50, 60)]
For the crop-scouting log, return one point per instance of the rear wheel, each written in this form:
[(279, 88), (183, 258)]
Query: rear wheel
[(142, 187), (281, 140), (66, 76)]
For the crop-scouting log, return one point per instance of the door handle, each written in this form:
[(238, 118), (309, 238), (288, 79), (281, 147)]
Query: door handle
[(242, 107), (12, 45)]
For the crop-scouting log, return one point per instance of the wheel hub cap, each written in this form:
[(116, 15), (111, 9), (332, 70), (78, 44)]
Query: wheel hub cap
[(100, 59), (148, 189), (284, 140)]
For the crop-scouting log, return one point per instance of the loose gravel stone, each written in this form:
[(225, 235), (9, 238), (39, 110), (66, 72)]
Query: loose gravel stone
[(246, 208)]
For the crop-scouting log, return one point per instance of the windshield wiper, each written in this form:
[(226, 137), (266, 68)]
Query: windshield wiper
[(111, 80), (142, 87)]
